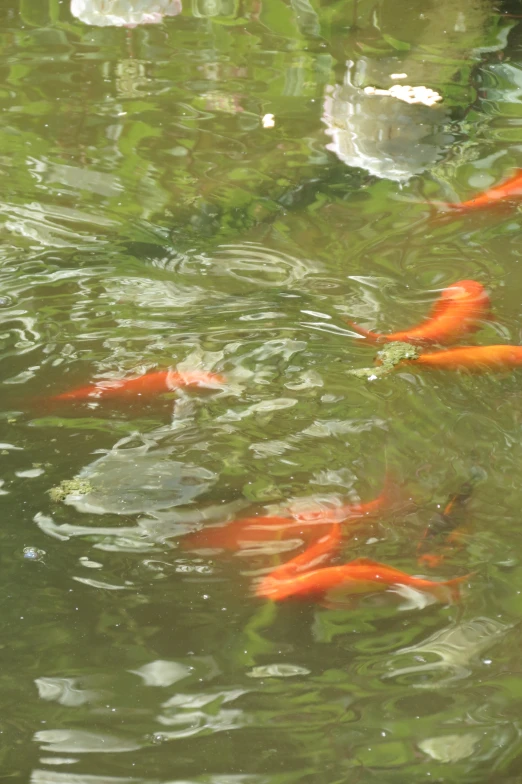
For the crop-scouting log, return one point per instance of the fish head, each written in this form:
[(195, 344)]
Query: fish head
[(465, 290)]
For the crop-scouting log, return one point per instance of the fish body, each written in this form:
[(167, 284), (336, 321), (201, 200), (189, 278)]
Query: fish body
[(321, 550), (457, 312), (306, 525), (352, 511), (356, 577), (509, 189), (474, 359), (447, 525), (147, 385), (244, 533)]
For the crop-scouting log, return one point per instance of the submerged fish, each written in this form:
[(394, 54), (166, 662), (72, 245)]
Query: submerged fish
[(147, 385), (321, 550), (446, 525), (509, 189), (356, 577), (250, 531), (474, 359), (457, 312)]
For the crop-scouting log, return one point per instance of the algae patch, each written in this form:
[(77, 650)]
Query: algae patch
[(388, 357), (75, 486), (396, 352)]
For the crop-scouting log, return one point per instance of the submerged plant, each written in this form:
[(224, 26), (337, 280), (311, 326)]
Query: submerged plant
[(74, 486)]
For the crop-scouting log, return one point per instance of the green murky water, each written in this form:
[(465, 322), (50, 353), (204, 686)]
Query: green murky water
[(150, 219)]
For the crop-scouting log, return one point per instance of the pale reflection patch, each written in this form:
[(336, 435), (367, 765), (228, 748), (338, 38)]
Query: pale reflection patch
[(456, 649), (162, 673), (123, 13), (77, 741), (65, 691)]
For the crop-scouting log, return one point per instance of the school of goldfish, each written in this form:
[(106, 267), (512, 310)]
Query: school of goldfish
[(461, 310)]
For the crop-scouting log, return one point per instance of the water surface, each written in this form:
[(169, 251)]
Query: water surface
[(150, 220)]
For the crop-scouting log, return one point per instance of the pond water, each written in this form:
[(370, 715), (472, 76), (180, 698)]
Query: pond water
[(206, 185)]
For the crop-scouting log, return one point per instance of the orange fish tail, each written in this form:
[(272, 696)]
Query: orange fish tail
[(274, 588), (372, 337), (453, 586), (387, 498)]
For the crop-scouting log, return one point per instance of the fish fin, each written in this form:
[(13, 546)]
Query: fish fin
[(455, 583), (373, 337), (364, 562), (391, 496)]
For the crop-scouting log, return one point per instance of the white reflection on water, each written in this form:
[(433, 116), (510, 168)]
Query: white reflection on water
[(456, 647), (66, 691), (159, 295), (54, 225), (197, 722), (281, 670), (123, 13), (53, 777), (162, 673), (146, 535), (450, 748), (135, 480), (255, 263), (81, 741), (193, 714), (100, 584)]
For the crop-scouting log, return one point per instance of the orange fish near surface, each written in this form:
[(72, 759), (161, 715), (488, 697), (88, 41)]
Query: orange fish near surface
[(509, 189), (457, 312), (321, 550), (474, 359), (356, 577), (251, 531), (148, 385)]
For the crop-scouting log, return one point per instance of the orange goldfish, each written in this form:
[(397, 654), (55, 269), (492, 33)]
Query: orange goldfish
[(321, 550), (509, 189), (248, 531), (148, 385), (243, 533), (356, 577), (457, 312), (474, 359)]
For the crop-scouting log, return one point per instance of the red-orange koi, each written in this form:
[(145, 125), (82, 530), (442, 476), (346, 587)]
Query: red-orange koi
[(356, 577), (457, 312), (148, 385), (474, 359), (250, 531), (509, 189)]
